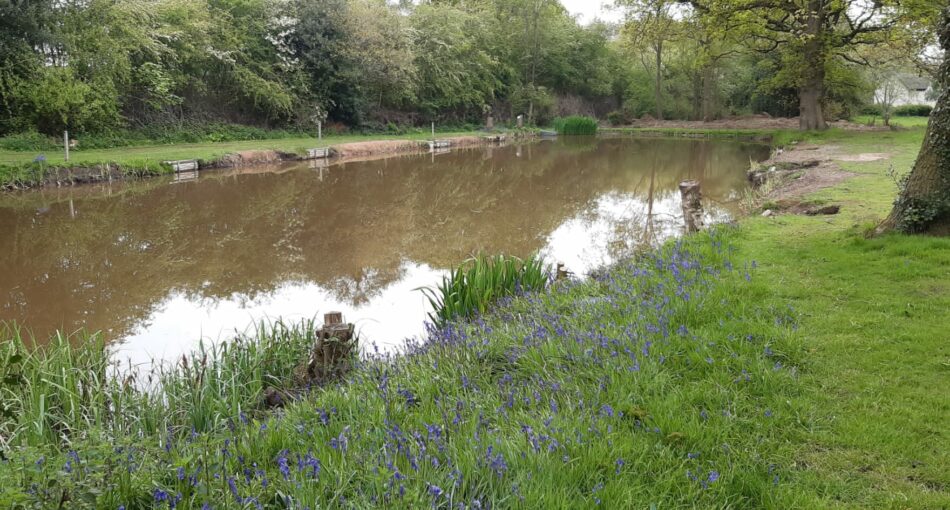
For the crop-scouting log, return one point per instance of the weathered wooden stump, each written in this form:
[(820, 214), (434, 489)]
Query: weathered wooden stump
[(333, 354), (562, 272), (692, 206)]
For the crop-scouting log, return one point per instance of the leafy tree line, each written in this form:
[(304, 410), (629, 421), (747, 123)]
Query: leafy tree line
[(99, 66)]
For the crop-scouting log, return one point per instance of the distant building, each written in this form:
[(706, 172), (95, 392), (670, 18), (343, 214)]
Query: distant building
[(909, 89)]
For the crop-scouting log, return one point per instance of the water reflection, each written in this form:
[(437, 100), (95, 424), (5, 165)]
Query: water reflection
[(158, 265)]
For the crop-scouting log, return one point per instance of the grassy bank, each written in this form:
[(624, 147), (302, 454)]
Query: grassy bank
[(19, 167), (785, 363), (659, 381)]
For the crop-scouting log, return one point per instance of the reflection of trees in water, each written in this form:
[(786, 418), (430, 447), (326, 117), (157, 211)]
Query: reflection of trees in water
[(349, 233)]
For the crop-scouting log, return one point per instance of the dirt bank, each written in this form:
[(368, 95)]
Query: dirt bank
[(752, 122), (342, 153), (792, 173), (364, 149)]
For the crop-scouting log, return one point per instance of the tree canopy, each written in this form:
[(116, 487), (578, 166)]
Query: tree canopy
[(106, 65)]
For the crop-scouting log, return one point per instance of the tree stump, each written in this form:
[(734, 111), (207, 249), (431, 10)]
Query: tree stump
[(692, 206), (334, 351), (562, 272)]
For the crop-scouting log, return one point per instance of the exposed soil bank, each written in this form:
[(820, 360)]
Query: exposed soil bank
[(794, 172), (60, 176), (749, 122)]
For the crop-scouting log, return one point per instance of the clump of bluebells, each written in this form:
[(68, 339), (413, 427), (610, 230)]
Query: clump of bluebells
[(659, 381)]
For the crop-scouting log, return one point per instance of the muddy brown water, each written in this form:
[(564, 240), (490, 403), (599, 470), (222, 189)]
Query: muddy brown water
[(157, 265)]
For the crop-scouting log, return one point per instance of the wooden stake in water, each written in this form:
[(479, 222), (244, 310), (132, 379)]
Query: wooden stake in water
[(692, 206), (66, 143)]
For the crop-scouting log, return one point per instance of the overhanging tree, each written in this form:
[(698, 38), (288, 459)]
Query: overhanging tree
[(813, 35), (924, 201)]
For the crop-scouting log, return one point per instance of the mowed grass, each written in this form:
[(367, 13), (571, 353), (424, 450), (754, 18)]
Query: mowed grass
[(206, 151), (876, 327), (904, 122)]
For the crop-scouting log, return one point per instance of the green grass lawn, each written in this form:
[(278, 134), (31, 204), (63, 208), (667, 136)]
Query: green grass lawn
[(205, 151), (789, 362), (875, 323), (905, 122)]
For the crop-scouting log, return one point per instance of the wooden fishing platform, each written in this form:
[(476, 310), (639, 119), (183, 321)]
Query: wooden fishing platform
[(185, 165), (439, 144), (495, 138), (322, 153)]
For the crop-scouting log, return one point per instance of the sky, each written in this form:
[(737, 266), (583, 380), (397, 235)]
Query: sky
[(590, 9)]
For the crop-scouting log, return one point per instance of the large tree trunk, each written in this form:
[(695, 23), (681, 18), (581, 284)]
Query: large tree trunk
[(812, 90), (709, 93), (924, 201), (658, 85)]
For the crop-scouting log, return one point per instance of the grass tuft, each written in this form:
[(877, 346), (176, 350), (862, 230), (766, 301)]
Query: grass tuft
[(576, 125), (473, 286)]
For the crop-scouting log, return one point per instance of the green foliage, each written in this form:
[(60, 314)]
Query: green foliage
[(617, 118), (30, 141), (576, 125), (60, 390), (913, 110), (475, 285), (872, 109)]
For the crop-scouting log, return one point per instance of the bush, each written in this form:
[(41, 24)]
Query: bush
[(617, 118), (31, 141), (872, 109), (576, 126), (913, 110)]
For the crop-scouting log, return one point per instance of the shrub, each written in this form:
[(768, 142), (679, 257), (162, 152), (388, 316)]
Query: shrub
[(576, 125), (476, 284), (617, 118), (913, 110), (30, 141), (871, 109)]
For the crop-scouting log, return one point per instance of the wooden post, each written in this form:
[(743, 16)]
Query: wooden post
[(66, 143), (335, 348), (520, 121), (319, 130), (691, 194), (490, 123), (433, 131)]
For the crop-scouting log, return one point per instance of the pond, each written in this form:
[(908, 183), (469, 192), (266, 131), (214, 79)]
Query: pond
[(157, 265)]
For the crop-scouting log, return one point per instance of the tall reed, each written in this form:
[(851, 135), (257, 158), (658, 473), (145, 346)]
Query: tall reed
[(576, 125), (53, 394), (473, 286)]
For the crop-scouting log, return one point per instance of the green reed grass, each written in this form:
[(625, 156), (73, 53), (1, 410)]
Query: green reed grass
[(576, 125), (53, 393), (473, 286)]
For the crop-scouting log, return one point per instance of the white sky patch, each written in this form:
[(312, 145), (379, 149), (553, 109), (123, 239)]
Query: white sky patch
[(589, 10)]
